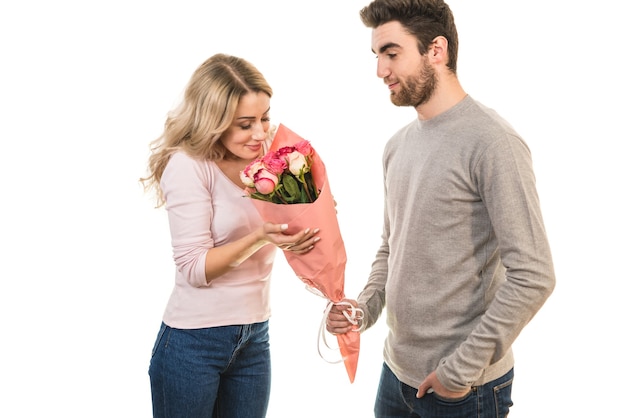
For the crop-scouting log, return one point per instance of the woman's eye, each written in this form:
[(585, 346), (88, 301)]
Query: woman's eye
[(267, 119)]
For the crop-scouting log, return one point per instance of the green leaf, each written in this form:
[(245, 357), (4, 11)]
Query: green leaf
[(260, 196), (291, 188)]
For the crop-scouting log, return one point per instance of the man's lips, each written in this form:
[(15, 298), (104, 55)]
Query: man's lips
[(391, 85)]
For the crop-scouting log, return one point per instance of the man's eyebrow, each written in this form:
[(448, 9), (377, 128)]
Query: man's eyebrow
[(386, 47)]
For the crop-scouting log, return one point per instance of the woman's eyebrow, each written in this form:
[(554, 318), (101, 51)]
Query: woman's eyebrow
[(252, 117)]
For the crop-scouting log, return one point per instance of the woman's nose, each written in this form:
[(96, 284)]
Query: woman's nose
[(258, 133)]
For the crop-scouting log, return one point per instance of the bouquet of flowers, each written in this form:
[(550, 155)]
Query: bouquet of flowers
[(282, 176), (288, 185)]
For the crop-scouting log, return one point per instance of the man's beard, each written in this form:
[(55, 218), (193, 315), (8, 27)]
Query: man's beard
[(418, 89)]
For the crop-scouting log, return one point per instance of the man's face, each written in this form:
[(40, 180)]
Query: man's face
[(408, 74)]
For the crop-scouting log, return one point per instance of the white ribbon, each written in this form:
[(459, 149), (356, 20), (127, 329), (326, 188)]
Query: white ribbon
[(352, 314)]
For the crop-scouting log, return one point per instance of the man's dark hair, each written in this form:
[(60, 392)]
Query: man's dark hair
[(424, 19)]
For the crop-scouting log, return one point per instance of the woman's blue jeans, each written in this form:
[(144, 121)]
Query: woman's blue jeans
[(397, 400), (219, 372)]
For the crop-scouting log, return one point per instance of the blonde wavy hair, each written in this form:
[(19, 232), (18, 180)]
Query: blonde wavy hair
[(205, 113)]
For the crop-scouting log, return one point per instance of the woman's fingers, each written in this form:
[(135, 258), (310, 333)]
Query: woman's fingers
[(301, 242)]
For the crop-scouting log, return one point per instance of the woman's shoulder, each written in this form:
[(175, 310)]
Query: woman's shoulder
[(183, 167), (181, 158)]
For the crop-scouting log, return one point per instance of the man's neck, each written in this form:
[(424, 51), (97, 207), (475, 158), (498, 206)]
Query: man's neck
[(447, 95)]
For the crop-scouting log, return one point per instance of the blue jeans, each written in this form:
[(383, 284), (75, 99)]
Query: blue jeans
[(219, 372), (397, 400)]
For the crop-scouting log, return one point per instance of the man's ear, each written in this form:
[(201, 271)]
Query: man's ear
[(438, 51)]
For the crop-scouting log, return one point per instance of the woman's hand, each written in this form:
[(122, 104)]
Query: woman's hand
[(299, 243), (221, 259)]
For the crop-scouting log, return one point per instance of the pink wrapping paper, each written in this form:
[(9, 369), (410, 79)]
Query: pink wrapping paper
[(323, 268)]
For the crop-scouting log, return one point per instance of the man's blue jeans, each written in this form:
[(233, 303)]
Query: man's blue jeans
[(220, 372), (397, 400)]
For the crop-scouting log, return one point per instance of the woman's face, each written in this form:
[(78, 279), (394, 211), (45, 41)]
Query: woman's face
[(244, 138)]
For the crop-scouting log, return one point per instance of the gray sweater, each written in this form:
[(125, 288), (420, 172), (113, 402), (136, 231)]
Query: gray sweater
[(464, 262)]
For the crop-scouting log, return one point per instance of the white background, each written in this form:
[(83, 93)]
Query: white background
[(85, 262)]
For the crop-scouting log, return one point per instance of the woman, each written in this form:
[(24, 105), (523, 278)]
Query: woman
[(211, 356)]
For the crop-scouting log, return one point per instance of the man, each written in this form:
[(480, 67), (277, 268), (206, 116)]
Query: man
[(464, 262)]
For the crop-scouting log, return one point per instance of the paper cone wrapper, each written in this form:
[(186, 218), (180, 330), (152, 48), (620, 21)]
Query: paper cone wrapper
[(323, 268)]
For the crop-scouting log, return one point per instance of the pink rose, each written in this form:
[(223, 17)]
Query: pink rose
[(304, 147), (264, 181), (248, 174), (274, 164), (284, 152)]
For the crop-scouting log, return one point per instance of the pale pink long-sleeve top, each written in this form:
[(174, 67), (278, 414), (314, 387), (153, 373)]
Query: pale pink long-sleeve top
[(206, 210)]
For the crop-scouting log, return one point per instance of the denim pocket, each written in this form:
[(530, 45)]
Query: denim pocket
[(502, 398), (454, 400), (159, 338)]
